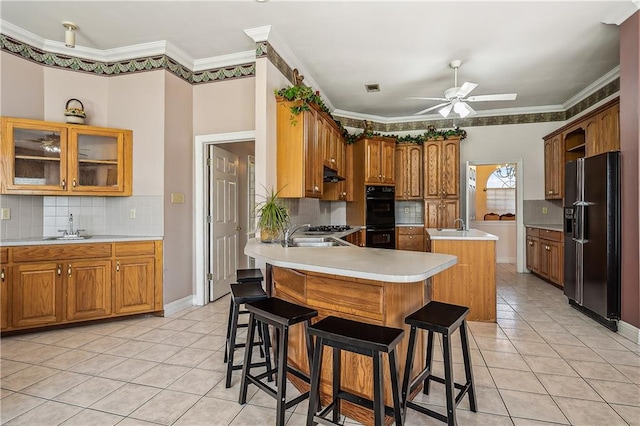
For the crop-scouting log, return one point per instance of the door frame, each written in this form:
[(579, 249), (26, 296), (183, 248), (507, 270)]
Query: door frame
[(199, 197), (520, 231)]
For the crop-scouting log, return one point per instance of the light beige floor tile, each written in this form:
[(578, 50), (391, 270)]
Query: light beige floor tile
[(561, 339), (185, 338), (131, 332), (524, 381), (219, 391), (154, 322), (5, 393), (50, 413), (129, 349), (158, 352), (197, 381), (200, 315), (547, 365), (33, 353), (210, 408), (523, 335), (161, 375), (135, 422), (68, 359), (128, 369), (210, 342), (251, 415), (577, 353), (617, 393), (166, 407), (17, 404), (205, 327), (56, 384), (214, 362), (105, 328), (88, 417), (632, 373), (496, 345), (179, 324), (535, 349), (615, 357), (48, 337), (77, 340), (630, 414), (513, 323), (601, 342), (582, 412), (89, 391), (8, 367), (125, 400), (97, 364), (532, 406), (156, 335), (189, 357), (597, 370), (505, 360), (528, 422), (27, 377), (570, 387)]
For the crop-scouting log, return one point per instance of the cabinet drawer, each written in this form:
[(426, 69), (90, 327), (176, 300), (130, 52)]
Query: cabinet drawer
[(355, 298), (410, 230), (140, 248), (551, 235), (61, 252), (533, 232), (411, 242)]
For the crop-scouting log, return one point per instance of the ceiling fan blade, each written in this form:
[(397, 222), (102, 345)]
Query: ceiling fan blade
[(500, 97), (428, 99), (465, 89), (444, 112), (431, 108)]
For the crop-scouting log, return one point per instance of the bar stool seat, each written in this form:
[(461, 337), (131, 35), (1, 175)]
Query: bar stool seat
[(248, 275), (281, 315), (241, 294), (361, 338), (443, 318)]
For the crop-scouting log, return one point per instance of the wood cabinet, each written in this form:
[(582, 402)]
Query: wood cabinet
[(410, 238), (442, 169), (47, 158), (545, 254), (592, 134), (358, 238), (379, 160), (441, 213), (5, 288), (408, 170), (63, 283)]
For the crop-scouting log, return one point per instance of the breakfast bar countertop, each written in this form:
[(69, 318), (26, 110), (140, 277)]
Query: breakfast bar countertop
[(454, 234), (36, 241), (351, 261)]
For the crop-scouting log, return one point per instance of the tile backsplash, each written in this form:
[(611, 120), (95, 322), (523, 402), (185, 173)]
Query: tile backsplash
[(26, 216), (533, 212), (88, 215), (409, 212)]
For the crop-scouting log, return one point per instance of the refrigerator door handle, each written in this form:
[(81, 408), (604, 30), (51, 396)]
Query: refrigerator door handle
[(574, 225)]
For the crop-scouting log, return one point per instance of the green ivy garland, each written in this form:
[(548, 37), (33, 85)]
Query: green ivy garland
[(307, 95)]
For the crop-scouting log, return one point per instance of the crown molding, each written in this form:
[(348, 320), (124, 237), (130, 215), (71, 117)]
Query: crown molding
[(593, 87), (224, 60), (259, 34), (625, 12)]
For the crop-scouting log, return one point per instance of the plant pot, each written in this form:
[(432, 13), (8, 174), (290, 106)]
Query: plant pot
[(269, 236)]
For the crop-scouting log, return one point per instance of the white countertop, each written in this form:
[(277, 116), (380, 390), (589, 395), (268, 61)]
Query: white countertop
[(351, 261), (93, 239), (549, 227), (453, 234)]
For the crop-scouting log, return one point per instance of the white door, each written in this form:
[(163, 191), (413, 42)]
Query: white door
[(223, 223)]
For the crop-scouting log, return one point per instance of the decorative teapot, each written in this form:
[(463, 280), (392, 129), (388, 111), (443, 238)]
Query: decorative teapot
[(74, 112)]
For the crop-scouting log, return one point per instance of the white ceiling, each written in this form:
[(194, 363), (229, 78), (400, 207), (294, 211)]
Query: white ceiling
[(547, 52)]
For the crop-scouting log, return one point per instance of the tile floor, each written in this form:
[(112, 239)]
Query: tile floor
[(543, 363)]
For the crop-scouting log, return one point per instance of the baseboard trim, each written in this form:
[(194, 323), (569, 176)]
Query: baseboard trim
[(629, 331), (178, 305), (505, 260)]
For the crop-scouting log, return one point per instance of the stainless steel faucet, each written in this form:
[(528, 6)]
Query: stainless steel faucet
[(462, 227), (290, 231), (70, 231)]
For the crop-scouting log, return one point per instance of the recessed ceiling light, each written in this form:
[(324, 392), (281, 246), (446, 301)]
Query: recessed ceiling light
[(372, 87)]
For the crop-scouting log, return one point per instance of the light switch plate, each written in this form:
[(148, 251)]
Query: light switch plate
[(406, 210), (6, 214), (177, 198), (545, 210)]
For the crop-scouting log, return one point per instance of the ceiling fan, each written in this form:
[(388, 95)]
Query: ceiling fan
[(455, 97)]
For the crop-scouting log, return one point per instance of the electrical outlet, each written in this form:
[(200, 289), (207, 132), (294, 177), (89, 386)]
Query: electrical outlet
[(406, 210), (132, 214), (545, 210), (6, 214)]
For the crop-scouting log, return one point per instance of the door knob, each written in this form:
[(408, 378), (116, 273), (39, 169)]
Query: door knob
[(238, 228)]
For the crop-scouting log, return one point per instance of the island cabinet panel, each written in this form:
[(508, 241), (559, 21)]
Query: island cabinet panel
[(5, 290), (374, 302), (471, 282), (134, 285), (37, 294), (88, 292)]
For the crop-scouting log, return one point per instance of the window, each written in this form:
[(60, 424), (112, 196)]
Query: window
[(501, 190)]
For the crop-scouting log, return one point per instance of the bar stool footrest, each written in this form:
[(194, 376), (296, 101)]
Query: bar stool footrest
[(463, 388), (358, 400), (428, 412)]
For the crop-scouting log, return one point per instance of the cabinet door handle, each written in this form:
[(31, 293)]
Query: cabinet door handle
[(59, 270), (69, 270), (74, 183), (550, 191), (118, 266), (411, 237), (63, 184), (2, 275)]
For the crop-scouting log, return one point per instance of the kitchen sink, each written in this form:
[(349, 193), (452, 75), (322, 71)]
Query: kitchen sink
[(70, 237), (316, 242)]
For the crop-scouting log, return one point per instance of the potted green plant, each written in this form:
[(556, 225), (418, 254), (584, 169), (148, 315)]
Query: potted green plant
[(273, 217)]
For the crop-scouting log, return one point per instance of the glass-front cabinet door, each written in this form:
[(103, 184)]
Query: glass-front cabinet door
[(34, 156), (96, 160)]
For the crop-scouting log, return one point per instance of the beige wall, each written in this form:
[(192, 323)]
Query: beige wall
[(136, 101), (178, 178), (90, 89), (225, 106), (482, 174), (22, 87)]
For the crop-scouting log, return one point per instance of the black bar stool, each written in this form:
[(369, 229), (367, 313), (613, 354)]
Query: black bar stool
[(243, 276), (361, 338), (241, 294), (443, 318), (281, 315)]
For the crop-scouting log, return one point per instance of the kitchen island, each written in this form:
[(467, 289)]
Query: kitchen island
[(472, 281), (375, 286)]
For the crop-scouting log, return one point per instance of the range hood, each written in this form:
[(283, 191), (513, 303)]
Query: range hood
[(330, 175)]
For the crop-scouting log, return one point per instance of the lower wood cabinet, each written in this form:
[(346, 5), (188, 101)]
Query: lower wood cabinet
[(545, 254), (441, 213), (358, 238), (57, 284), (410, 238)]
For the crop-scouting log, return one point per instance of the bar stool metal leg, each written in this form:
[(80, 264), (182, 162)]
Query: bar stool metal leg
[(337, 365), (282, 375), (406, 381), (378, 394), (248, 353), (314, 396), (395, 388), (429, 362), (468, 370), (448, 379), (232, 341)]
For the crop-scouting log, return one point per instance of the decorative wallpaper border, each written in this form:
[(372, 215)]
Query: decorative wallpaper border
[(109, 69), (264, 49)]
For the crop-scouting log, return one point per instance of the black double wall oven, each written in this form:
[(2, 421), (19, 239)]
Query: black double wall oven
[(380, 218)]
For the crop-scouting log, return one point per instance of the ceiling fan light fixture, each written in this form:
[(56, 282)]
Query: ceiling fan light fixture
[(461, 109), (69, 34), (444, 112)]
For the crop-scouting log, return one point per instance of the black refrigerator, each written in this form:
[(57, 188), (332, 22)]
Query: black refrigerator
[(592, 236)]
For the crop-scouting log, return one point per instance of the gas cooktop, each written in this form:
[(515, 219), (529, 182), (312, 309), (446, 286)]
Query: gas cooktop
[(326, 229)]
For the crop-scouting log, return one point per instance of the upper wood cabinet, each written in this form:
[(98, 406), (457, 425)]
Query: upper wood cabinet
[(408, 171), (379, 160), (442, 169), (553, 168), (46, 158), (441, 213), (608, 122)]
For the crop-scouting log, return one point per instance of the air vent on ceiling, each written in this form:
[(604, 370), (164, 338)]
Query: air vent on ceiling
[(372, 87)]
